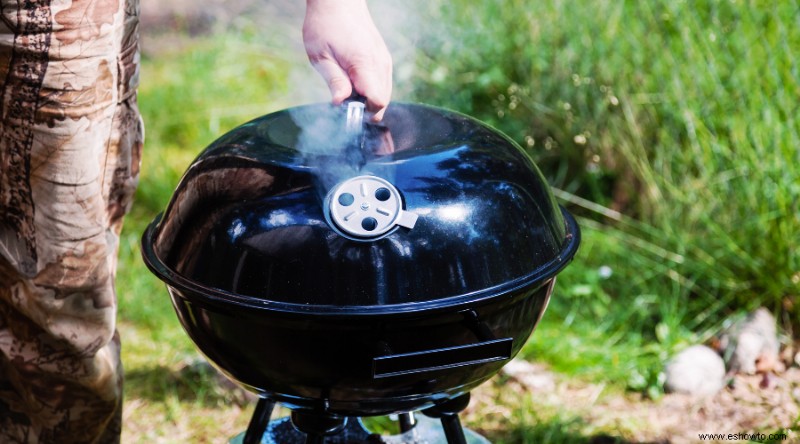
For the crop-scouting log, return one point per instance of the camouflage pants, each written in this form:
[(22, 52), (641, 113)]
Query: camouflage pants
[(70, 143)]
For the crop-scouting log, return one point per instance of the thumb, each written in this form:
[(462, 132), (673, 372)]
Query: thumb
[(337, 79)]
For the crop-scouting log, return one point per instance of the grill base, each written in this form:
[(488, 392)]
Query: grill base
[(426, 431), (304, 428)]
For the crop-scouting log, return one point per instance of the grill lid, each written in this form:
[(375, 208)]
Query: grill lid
[(295, 211)]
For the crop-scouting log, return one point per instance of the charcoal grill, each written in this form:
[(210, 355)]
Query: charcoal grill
[(347, 269)]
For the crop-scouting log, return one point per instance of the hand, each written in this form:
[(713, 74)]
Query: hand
[(345, 47)]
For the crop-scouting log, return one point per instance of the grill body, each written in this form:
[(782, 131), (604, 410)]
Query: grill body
[(291, 298)]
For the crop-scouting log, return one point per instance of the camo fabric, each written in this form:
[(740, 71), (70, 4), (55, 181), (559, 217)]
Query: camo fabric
[(70, 143)]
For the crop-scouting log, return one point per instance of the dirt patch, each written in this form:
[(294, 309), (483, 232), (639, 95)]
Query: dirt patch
[(750, 404)]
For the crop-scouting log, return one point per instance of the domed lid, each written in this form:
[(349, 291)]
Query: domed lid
[(296, 211)]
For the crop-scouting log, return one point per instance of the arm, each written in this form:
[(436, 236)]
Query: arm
[(345, 47)]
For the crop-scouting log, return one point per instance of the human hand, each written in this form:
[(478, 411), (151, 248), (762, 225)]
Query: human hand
[(345, 47)]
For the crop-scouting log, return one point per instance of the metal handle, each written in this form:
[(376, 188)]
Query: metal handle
[(442, 358), (353, 109), (354, 124)]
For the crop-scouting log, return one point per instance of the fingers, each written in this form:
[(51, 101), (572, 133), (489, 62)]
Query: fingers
[(374, 83), (375, 77), (369, 80), (345, 47), (337, 79)]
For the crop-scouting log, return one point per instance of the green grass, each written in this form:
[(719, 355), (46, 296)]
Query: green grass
[(669, 128), (672, 128)]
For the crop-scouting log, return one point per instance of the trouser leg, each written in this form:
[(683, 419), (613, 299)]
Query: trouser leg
[(70, 143)]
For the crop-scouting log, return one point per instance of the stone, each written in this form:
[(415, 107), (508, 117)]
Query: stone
[(751, 345), (697, 370)]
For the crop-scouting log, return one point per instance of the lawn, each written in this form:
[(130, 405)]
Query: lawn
[(670, 128)]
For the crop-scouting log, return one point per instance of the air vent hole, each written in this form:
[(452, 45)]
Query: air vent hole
[(382, 194), (346, 199), (369, 223)]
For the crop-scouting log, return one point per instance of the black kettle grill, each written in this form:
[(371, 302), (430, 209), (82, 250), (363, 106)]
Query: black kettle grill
[(346, 269)]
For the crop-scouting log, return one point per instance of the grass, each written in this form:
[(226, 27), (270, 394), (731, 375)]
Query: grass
[(674, 112), (669, 127)]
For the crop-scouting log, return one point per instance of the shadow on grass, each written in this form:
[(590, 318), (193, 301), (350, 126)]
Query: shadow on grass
[(196, 382)]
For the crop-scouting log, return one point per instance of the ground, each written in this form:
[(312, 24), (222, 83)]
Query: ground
[(750, 403)]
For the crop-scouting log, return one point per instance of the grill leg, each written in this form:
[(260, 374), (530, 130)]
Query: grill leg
[(453, 431), (447, 412), (407, 421), (317, 426), (315, 439), (259, 421)]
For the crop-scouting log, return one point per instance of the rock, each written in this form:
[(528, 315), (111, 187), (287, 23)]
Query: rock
[(787, 355), (751, 345), (697, 371)]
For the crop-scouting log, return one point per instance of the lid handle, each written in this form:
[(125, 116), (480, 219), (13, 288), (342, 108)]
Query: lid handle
[(353, 109), (354, 106)]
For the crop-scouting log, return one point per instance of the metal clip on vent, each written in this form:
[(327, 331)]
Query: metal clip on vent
[(367, 207)]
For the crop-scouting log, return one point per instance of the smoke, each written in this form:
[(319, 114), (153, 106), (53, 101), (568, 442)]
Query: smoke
[(338, 144), (326, 145), (323, 141), (403, 26)]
